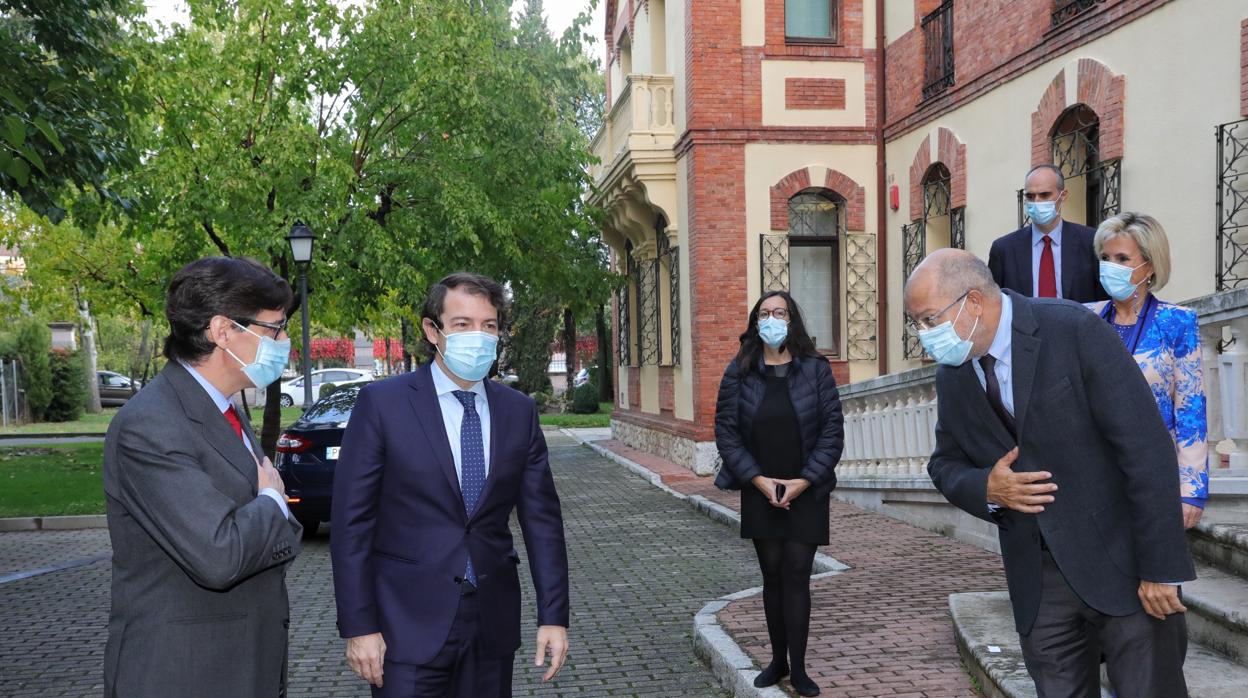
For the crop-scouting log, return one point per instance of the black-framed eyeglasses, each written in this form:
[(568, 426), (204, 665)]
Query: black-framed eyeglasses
[(933, 320), (778, 313), (278, 328)]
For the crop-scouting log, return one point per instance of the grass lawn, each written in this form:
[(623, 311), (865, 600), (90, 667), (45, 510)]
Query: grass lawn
[(574, 421), (50, 481), (89, 423)]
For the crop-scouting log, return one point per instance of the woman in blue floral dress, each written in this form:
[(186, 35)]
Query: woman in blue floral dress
[(1164, 338)]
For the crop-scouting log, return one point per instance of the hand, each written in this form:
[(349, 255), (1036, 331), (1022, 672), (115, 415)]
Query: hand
[(366, 655), (792, 488), (767, 486), (268, 476), (1018, 491), (1191, 515), (554, 637), (1160, 600)]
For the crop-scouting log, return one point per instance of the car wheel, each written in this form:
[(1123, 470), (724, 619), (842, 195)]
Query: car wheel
[(310, 524), (287, 401)]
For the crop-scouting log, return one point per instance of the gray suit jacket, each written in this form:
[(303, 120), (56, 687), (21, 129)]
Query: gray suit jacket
[(199, 603), (1085, 414)]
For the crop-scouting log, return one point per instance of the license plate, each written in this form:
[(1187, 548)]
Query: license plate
[(331, 453)]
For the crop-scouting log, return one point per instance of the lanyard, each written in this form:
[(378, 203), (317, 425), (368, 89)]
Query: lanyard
[(1141, 322)]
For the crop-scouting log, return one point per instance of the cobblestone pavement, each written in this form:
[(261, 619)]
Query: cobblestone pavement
[(643, 564), (883, 627)]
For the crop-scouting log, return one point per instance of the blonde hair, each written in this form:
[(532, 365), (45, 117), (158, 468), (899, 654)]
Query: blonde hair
[(1148, 235)]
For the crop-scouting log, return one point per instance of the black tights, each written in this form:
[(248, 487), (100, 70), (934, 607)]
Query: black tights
[(786, 569)]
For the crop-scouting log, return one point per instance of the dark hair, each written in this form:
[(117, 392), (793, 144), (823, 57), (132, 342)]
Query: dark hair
[(474, 284), (231, 286), (798, 343), (1061, 178)]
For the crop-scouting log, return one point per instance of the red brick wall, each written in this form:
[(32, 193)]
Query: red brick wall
[(667, 391), (784, 190), (993, 40), (814, 93), (1243, 68), (849, 44), (1100, 89), (634, 388), (951, 152), (794, 182)]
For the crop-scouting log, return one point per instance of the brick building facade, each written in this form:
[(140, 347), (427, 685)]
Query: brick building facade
[(763, 144)]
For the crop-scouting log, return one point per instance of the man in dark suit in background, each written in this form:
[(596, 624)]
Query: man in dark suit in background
[(433, 463), (197, 515), (1050, 257), (1047, 428)]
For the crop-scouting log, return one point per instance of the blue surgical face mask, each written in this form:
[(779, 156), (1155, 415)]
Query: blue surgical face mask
[(1042, 212), (270, 361), (943, 344), (469, 355), (1116, 280), (773, 331)]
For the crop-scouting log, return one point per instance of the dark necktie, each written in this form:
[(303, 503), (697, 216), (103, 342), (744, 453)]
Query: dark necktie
[(989, 363), (1048, 273), (472, 461)]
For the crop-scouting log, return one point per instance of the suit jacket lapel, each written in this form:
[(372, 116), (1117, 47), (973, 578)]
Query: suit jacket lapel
[(974, 395), (1025, 351), (1071, 252), (200, 409), (429, 414)]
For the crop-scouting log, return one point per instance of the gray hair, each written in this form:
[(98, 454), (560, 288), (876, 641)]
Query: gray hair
[(957, 273), (1061, 178), (1148, 235)]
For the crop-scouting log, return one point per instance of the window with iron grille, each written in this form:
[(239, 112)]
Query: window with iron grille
[(1231, 205), (816, 220), (1093, 186), (668, 271), (1068, 9), (938, 50), (811, 21)]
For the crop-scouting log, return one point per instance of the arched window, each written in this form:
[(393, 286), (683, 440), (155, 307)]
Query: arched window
[(1094, 185), (667, 279), (940, 226), (816, 224)]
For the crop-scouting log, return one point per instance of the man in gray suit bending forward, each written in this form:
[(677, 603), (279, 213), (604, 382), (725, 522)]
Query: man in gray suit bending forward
[(1047, 429), (200, 530)]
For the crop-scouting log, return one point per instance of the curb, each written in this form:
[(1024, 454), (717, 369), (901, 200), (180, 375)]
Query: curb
[(734, 669), (52, 523), (63, 435)]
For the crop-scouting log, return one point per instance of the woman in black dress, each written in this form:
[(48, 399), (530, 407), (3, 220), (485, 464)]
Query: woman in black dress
[(779, 429)]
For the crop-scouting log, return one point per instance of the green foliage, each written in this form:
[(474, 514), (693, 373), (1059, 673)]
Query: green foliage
[(584, 399), (68, 97), (534, 324), (542, 400), (327, 389), (69, 389), (33, 343)]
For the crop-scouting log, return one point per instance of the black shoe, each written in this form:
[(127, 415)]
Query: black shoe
[(803, 685), (771, 675)]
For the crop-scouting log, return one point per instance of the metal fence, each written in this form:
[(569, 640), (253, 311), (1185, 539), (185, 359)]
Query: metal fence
[(12, 397)]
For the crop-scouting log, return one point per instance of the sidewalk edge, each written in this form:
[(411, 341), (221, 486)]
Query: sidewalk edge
[(52, 523)]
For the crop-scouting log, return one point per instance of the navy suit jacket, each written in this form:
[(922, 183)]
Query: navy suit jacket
[(1010, 262), (401, 538)]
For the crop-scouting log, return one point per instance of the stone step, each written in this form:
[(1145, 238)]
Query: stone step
[(1217, 604), (1221, 544), (984, 629)]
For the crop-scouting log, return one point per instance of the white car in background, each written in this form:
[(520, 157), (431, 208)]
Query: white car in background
[(292, 390)]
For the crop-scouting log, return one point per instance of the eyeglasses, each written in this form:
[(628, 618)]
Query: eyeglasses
[(932, 320), (278, 328), (778, 313)]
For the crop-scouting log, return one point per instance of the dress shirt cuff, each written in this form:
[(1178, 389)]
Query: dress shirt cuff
[(275, 496), (1194, 502), (993, 508)]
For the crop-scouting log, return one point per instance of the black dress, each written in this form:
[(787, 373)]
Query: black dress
[(775, 440)]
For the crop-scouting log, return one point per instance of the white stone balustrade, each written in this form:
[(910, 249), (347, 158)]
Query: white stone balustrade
[(889, 422)]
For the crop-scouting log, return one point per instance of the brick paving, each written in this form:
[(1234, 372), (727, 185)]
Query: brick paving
[(643, 563), (882, 628)]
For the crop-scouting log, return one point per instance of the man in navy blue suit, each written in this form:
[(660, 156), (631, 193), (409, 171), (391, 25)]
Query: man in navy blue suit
[(433, 463)]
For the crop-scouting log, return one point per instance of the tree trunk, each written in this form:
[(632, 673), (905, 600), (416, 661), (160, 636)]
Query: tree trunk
[(86, 325), (407, 354), (569, 347), (606, 391), (140, 362)]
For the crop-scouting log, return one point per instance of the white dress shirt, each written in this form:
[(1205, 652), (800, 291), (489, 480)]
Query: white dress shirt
[(453, 415), (1001, 351), (1037, 249), (223, 403)]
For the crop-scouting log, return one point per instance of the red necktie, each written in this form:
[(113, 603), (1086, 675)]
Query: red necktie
[(231, 416), (1048, 275)]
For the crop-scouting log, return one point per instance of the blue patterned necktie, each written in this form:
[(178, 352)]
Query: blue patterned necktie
[(472, 461)]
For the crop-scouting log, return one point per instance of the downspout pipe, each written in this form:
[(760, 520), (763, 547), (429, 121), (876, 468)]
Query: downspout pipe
[(881, 195)]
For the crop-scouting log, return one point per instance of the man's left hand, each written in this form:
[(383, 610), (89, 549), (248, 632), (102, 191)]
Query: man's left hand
[(1160, 600), (792, 488), (554, 638), (1191, 515)]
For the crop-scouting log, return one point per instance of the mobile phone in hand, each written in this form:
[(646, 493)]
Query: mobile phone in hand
[(780, 491)]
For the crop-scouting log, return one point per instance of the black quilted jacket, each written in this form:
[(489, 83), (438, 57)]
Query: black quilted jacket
[(818, 405)]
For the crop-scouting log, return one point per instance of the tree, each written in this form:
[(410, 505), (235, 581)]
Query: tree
[(68, 98), (33, 342), (535, 322)]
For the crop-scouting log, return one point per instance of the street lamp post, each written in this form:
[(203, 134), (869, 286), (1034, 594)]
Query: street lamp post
[(300, 239)]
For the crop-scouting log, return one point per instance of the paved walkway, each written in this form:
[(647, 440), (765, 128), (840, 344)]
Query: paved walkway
[(643, 564), (880, 629)]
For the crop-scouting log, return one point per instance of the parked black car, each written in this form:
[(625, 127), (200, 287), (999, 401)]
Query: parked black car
[(307, 453)]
